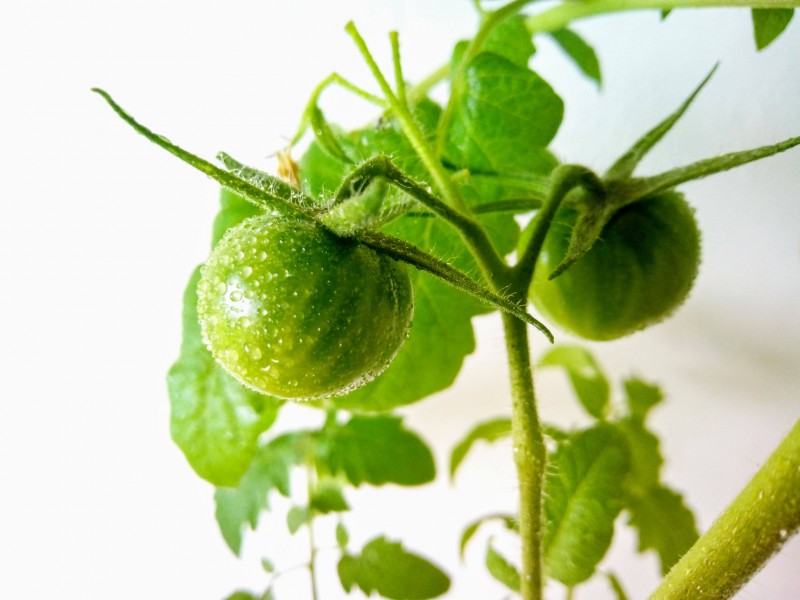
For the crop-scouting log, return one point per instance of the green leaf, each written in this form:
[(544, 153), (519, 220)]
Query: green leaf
[(214, 420), (769, 23), (616, 586), (641, 397), (504, 116), (342, 537), (328, 140), (269, 470), (580, 52), (469, 532), (587, 378), (509, 39), (242, 595), (664, 524), (377, 450), (387, 568), (646, 459), (297, 517), (502, 570), (488, 431), (583, 496), (233, 210), (267, 565), (665, 13), (328, 497)]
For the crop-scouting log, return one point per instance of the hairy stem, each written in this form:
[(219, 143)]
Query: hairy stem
[(754, 527), (529, 456)]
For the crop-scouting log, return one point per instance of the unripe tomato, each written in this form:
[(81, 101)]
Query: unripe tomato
[(638, 272), (295, 312)]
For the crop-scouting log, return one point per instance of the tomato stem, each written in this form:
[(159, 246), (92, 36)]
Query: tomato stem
[(530, 456), (754, 527)]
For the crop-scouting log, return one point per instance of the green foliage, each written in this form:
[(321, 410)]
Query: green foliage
[(377, 450), (583, 496), (501, 569), (588, 380), (769, 23), (582, 54), (488, 431), (214, 419), (463, 173), (504, 117), (387, 568)]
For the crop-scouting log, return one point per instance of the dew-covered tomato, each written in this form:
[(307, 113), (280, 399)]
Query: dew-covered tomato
[(639, 271), (295, 312)]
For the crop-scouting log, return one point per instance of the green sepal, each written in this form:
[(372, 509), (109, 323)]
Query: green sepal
[(625, 165)]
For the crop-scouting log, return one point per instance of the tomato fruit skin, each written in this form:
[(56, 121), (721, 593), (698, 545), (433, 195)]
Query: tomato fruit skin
[(294, 311), (637, 273)]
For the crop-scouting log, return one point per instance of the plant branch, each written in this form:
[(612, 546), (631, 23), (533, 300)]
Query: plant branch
[(530, 457), (564, 179), (562, 15), (753, 528), (408, 253)]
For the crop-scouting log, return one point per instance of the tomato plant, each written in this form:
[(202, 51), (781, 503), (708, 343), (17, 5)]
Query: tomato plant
[(308, 292), (294, 311), (641, 268)]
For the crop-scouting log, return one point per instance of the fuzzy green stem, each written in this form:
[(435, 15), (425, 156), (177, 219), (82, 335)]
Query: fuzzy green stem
[(530, 457), (441, 177), (753, 528), (562, 15)]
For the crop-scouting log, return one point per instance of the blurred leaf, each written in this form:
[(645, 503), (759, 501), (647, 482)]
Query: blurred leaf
[(587, 378), (327, 138), (641, 397), (342, 537), (377, 450), (509, 521), (769, 23), (580, 52), (241, 595), (510, 39), (583, 496), (214, 420), (328, 497), (393, 572), (664, 524), (297, 517), (502, 570), (504, 116), (268, 471), (488, 431), (616, 587), (267, 565)]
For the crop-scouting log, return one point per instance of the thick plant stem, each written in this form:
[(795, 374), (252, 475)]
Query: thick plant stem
[(529, 455), (755, 526)]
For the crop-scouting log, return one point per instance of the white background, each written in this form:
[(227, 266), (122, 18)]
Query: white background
[(99, 231)]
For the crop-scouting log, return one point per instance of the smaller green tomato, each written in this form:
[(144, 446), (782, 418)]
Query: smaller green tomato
[(293, 311), (638, 272)]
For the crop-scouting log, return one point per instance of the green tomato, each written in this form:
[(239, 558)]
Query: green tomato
[(638, 272), (294, 311)]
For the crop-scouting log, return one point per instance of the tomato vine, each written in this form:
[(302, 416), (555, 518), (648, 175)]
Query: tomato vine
[(307, 295)]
